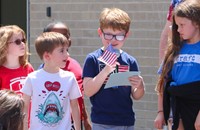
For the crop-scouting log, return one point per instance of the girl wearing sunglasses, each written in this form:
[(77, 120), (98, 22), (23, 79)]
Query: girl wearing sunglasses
[(14, 65)]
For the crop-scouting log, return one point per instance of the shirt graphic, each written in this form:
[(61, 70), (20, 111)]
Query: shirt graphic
[(16, 84), (51, 112)]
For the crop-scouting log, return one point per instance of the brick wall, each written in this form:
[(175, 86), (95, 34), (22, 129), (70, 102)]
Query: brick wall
[(148, 18)]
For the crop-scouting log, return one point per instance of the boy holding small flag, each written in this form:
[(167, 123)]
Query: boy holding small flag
[(112, 107)]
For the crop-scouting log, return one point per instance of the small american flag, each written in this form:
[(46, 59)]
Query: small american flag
[(109, 56)]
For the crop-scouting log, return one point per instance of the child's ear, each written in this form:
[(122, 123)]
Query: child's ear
[(128, 34), (46, 56), (99, 32)]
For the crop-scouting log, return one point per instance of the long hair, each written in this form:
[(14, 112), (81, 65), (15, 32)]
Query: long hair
[(189, 9), (11, 110), (6, 32)]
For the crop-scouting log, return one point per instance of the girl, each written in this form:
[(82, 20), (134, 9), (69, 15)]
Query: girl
[(180, 74), (14, 66), (11, 110)]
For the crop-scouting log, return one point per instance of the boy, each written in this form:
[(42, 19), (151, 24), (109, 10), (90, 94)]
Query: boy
[(73, 66), (53, 91), (112, 107)]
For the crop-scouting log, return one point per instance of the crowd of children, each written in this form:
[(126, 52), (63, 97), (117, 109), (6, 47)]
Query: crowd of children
[(51, 97)]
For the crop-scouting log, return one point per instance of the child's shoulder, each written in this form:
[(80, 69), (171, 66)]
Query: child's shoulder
[(29, 67), (65, 73), (35, 73), (127, 56)]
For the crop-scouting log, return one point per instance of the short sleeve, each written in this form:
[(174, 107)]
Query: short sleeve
[(27, 88), (75, 90)]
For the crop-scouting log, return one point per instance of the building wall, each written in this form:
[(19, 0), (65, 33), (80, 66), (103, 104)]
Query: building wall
[(148, 18)]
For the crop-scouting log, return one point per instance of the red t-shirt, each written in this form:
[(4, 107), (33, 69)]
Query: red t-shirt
[(73, 66), (13, 79)]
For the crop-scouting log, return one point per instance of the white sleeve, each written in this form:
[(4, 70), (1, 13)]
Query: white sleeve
[(27, 88), (75, 90)]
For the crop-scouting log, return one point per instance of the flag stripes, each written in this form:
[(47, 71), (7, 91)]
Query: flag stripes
[(108, 57)]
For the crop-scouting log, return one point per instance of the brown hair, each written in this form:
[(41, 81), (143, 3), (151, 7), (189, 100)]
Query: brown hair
[(6, 32), (189, 9), (48, 41), (115, 19), (11, 110)]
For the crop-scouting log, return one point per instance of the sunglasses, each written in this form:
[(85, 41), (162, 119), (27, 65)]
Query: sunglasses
[(108, 36), (19, 41)]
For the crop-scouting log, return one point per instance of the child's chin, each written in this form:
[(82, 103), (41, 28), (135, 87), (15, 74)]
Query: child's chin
[(62, 66)]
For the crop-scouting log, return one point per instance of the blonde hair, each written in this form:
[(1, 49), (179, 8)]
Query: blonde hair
[(115, 19), (11, 110), (6, 32), (48, 41), (189, 9)]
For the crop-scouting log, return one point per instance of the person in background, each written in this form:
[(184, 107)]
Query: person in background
[(53, 91), (112, 107), (178, 84), (14, 65), (166, 30), (11, 110), (73, 66)]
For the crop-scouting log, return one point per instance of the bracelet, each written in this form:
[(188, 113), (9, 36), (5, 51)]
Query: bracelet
[(160, 111)]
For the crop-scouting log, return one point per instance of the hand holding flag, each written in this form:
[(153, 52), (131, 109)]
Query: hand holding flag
[(109, 56)]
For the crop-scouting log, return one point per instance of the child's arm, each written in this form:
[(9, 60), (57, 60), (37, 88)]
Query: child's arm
[(159, 121), (92, 85), (137, 87), (76, 114), (26, 99), (197, 122), (86, 121)]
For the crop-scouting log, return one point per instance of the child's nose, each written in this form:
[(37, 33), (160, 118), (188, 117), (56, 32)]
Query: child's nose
[(67, 53)]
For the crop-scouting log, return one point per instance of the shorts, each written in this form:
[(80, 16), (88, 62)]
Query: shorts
[(110, 127)]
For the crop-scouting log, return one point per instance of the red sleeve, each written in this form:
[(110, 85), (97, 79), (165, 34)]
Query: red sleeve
[(170, 11)]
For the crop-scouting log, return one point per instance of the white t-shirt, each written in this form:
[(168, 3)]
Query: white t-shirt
[(51, 95)]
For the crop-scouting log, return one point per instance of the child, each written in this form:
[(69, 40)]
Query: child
[(73, 66), (53, 91), (112, 107), (165, 36), (11, 110), (14, 65), (180, 72)]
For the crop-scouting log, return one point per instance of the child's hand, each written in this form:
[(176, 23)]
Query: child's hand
[(197, 122), (136, 82), (159, 121), (87, 124), (137, 87), (111, 68)]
